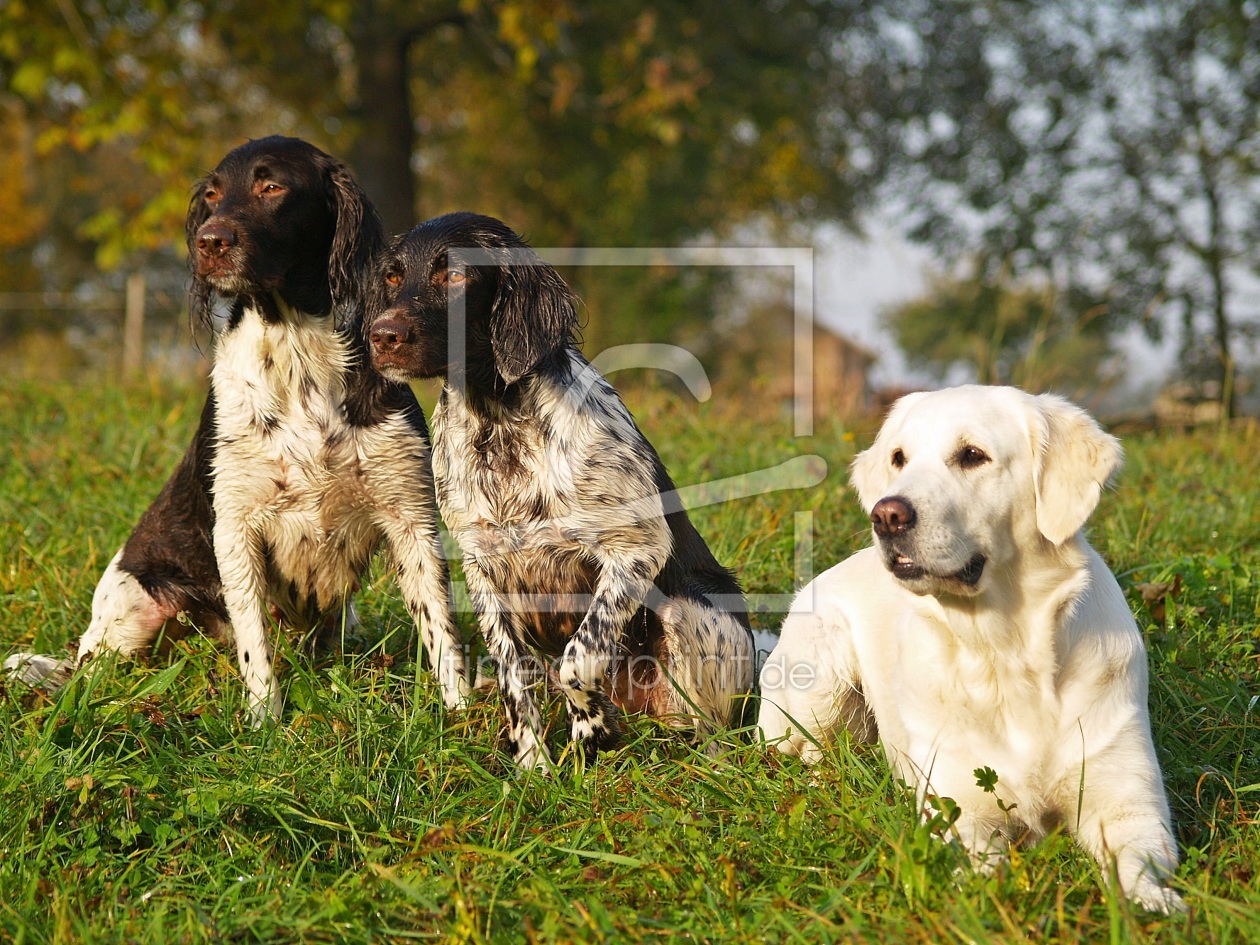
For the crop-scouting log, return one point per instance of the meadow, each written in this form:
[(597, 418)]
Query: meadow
[(136, 807)]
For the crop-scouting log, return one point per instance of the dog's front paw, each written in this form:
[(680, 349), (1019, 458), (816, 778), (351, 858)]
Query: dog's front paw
[(456, 693), (594, 723), (38, 671), (1156, 897), (530, 754), (262, 709)]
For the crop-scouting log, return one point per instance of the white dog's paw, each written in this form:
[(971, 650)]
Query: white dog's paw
[(456, 693), (263, 708), (532, 756), (1156, 897), (38, 671)]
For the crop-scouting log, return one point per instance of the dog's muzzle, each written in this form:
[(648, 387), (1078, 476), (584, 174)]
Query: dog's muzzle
[(905, 568), (893, 519)]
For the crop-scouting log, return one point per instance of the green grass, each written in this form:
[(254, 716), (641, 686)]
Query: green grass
[(135, 807)]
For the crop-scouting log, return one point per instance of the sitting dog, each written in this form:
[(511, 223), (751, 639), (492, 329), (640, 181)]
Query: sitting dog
[(305, 459), (982, 630), (573, 538)]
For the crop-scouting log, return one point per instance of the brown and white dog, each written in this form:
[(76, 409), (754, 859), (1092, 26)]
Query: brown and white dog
[(575, 544), (305, 461), (982, 631)]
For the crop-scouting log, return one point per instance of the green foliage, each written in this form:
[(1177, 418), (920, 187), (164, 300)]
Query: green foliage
[(1108, 148), (138, 809), (130, 84), (584, 124), (1001, 333)]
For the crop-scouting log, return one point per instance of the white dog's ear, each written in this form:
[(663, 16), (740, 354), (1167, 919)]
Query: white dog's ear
[(870, 475), (1073, 459), (871, 472)]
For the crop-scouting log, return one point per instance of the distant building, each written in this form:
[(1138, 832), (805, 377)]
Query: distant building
[(841, 373)]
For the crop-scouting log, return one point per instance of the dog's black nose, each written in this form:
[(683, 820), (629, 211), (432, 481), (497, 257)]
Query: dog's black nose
[(892, 516), (214, 240), (388, 334)]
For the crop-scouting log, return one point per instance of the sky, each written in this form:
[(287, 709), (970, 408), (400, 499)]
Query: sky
[(856, 278)]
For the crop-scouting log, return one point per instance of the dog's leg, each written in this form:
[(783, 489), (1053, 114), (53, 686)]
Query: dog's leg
[(709, 662), (980, 834), (811, 687), (242, 571), (518, 673), (425, 582), (619, 593), (125, 619), (1123, 815)]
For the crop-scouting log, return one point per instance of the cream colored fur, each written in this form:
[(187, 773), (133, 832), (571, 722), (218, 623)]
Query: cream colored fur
[(1037, 671)]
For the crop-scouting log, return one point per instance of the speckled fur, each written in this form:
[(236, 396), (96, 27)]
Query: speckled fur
[(303, 498), (575, 546), (305, 461)]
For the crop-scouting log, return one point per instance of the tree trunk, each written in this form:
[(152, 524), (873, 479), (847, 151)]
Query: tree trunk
[(385, 136), (1220, 319), (1215, 259)]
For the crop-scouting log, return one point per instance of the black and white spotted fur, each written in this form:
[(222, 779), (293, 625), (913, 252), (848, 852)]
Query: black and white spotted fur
[(305, 460), (575, 544)]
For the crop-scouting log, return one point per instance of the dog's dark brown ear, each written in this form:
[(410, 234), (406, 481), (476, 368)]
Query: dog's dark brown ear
[(200, 294), (534, 314), (357, 239), (1074, 459)]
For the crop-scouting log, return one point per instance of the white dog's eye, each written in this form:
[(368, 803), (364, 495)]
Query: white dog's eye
[(969, 457), (898, 459)]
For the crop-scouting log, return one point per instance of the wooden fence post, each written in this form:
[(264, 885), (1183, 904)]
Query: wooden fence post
[(133, 326)]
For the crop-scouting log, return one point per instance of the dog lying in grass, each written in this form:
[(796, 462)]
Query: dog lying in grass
[(574, 541), (982, 640)]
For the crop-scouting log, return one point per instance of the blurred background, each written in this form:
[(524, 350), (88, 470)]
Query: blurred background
[(1063, 194)]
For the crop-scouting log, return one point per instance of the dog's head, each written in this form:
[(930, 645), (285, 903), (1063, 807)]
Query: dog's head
[(463, 294), (961, 482), (279, 217)]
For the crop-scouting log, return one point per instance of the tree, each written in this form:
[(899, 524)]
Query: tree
[(1001, 333), (131, 85), (1108, 147), (1185, 143), (584, 123)]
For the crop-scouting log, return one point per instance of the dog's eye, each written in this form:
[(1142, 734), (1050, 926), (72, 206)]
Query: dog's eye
[(456, 277), (898, 459), (969, 457), (211, 195), (268, 188), (393, 277)]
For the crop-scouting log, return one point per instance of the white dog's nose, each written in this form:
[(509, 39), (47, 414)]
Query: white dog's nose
[(892, 515)]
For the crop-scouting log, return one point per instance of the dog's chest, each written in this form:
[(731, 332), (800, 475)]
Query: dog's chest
[(286, 459), (534, 495), (977, 706), (507, 489)]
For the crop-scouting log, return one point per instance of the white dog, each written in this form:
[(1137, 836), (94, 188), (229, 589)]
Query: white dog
[(982, 631)]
